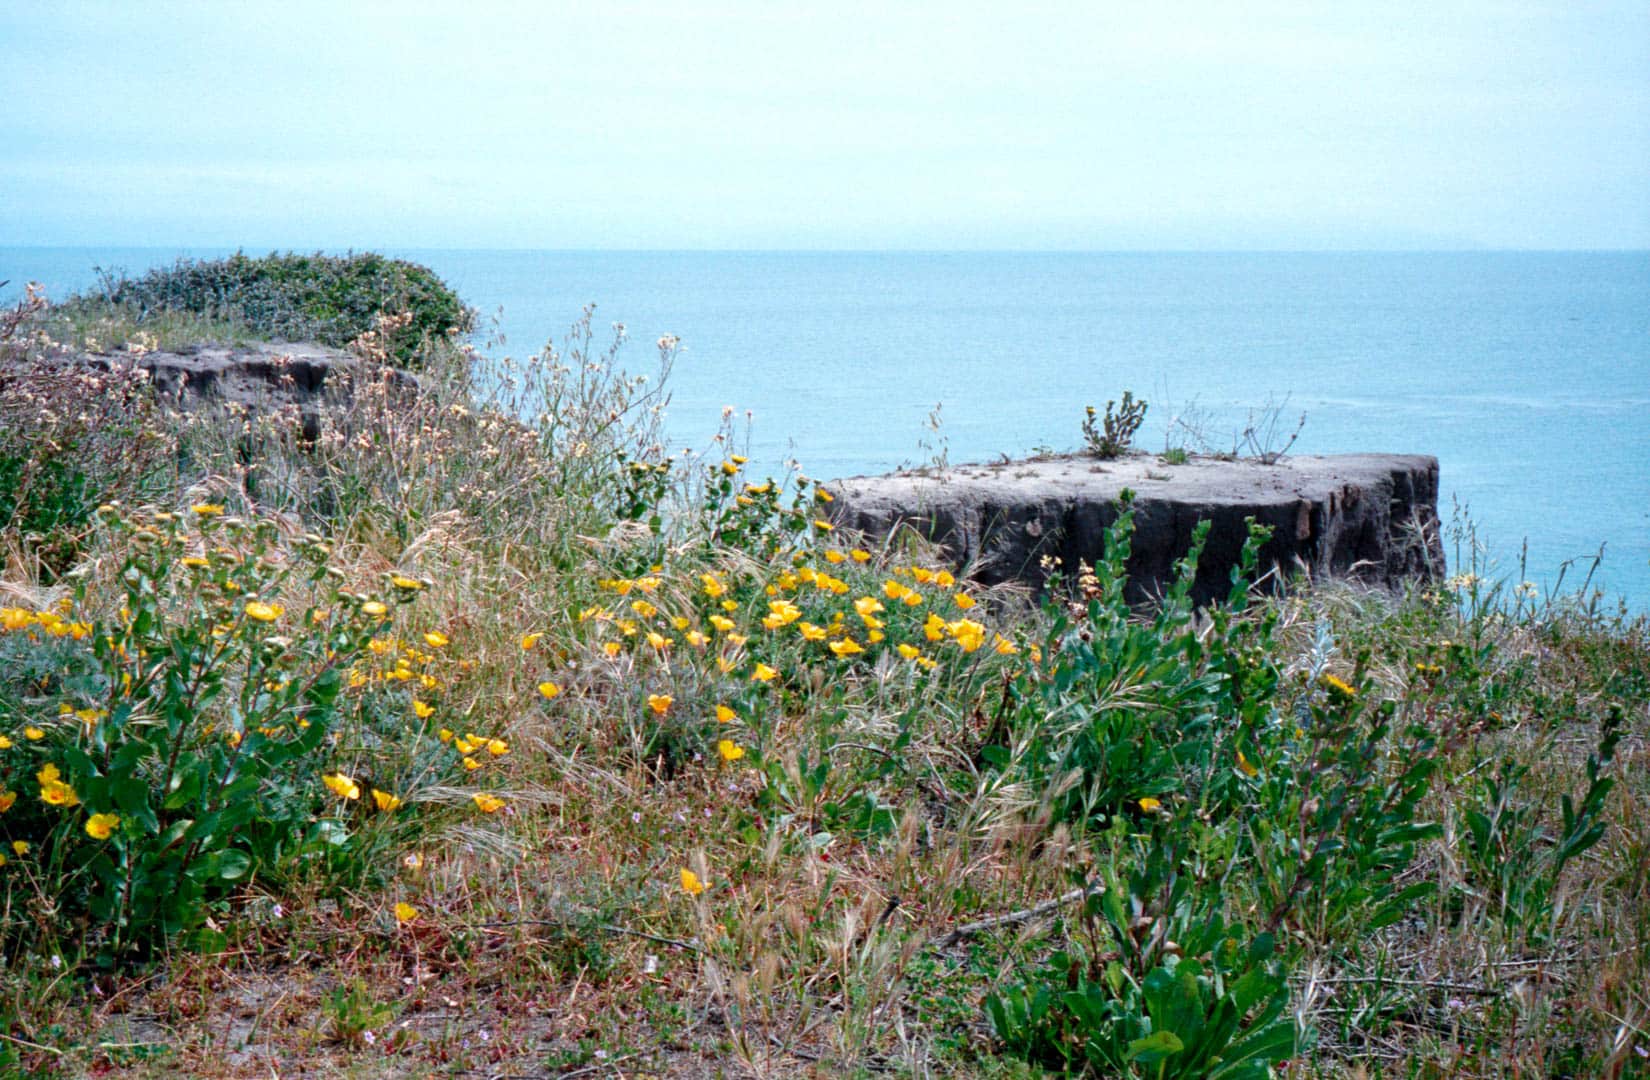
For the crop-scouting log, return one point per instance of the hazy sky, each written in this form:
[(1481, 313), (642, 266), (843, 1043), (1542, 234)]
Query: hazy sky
[(769, 124)]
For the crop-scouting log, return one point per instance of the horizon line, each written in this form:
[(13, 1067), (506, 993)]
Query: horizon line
[(308, 249)]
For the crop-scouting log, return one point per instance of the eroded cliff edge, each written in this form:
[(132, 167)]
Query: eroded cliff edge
[(1371, 518)]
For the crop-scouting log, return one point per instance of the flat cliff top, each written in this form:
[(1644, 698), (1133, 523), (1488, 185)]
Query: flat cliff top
[(1202, 480)]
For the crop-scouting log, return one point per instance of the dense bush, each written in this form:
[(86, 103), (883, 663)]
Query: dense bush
[(330, 299), (209, 732)]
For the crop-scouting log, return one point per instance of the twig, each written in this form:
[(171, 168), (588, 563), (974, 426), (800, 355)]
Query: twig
[(951, 937), (1453, 987), (32, 1045), (609, 927)]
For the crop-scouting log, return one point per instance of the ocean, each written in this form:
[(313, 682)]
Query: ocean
[(1527, 374)]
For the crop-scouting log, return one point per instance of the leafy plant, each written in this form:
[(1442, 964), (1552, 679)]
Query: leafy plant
[(174, 752), (353, 1013), (1511, 857), (1114, 434)]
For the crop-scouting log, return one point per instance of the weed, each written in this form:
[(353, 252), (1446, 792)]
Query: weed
[(1114, 434)]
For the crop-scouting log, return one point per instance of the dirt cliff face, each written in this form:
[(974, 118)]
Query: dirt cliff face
[(1372, 518)]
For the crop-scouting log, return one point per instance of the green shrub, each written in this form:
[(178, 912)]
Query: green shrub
[(204, 736), (330, 299), (71, 438)]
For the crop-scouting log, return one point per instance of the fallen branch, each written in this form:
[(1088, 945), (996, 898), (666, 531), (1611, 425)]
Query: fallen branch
[(1012, 918)]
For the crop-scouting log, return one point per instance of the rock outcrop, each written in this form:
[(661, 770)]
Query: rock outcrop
[(1372, 518), (260, 376)]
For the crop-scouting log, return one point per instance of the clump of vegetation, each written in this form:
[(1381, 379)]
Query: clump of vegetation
[(1114, 432), (477, 731), (329, 299)]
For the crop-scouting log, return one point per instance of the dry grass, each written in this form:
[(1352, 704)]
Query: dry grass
[(556, 938)]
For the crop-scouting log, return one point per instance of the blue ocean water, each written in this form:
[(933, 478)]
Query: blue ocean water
[(1527, 374)]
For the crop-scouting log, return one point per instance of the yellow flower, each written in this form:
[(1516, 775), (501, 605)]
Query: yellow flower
[(1149, 805), (549, 690), (101, 826), (529, 640), (1005, 646), (658, 641), (611, 648), (944, 579), (421, 710), (810, 632), (846, 647), (764, 673), (723, 714), (195, 562), (722, 624), (33, 734), (497, 747), (910, 652), (967, 633), (964, 601), (445, 735), (207, 510), (385, 801), (691, 883), (342, 786), (696, 639), (729, 468), (53, 791), (375, 608), (405, 912), (643, 608), (713, 585), (58, 793), (401, 581), (20, 846), (782, 613), (7, 798), (659, 703), (471, 764), (435, 639), (1339, 686), (488, 804), (1244, 766), (730, 750), (738, 459)]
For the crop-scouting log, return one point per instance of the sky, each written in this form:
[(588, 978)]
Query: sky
[(776, 125)]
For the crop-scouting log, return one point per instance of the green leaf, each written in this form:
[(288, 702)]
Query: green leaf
[(1155, 1047), (234, 864)]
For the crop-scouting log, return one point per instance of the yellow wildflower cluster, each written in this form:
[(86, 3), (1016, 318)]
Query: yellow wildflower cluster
[(800, 599), (47, 622)]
